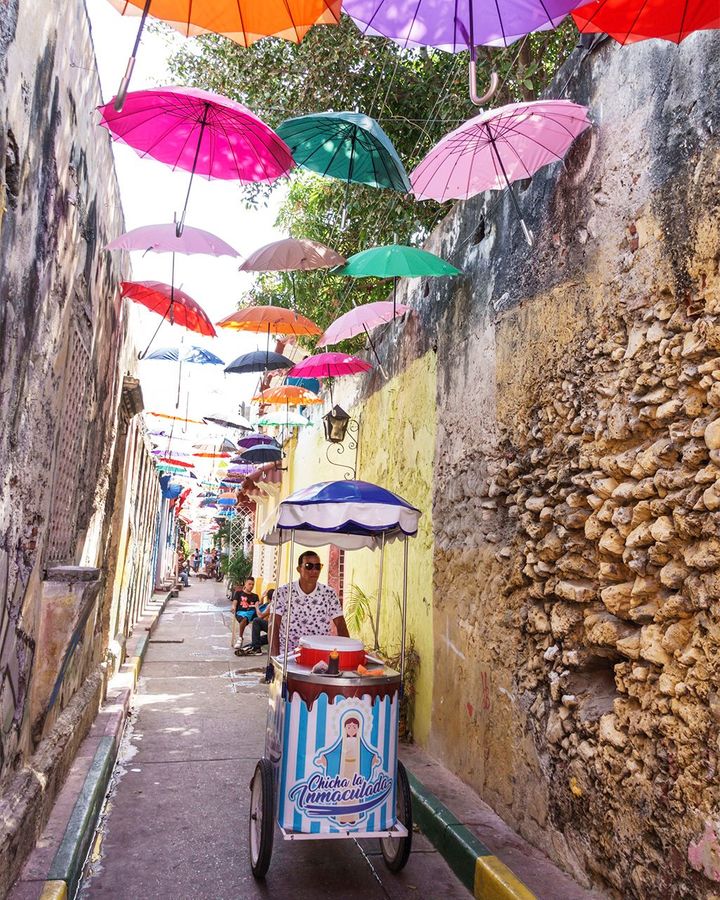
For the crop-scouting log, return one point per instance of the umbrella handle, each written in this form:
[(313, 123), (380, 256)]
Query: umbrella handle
[(489, 93), (125, 83)]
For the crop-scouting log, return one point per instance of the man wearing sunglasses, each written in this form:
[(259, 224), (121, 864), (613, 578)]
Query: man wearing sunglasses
[(315, 607)]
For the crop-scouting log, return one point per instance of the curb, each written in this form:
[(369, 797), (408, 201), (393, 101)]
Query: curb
[(482, 873)]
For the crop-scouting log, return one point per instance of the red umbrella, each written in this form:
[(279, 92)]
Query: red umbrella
[(170, 303), (169, 461), (629, 21)]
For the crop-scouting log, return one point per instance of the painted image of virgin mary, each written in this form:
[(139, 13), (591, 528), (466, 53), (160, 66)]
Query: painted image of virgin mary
[(349, 756)]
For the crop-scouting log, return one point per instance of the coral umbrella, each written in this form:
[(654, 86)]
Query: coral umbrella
[(629, 21), (285, 394), (165, 239), (259, 361), (496, 148), (329, 365), (172, 304), (243, 21), (452, 26), (200, 132), (169, 461), (361, 319)]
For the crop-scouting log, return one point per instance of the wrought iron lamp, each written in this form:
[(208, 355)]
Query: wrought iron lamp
[(338, 425)]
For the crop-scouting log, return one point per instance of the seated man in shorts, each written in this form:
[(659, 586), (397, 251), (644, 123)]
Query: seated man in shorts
[(244, 603)]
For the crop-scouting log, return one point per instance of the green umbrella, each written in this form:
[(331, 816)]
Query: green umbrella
[(348, 146), (395, 261)]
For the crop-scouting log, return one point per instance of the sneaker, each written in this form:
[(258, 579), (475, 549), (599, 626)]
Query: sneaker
[(254, 651)]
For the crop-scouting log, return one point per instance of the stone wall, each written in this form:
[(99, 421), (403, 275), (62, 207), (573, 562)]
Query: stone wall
[(576, 480)]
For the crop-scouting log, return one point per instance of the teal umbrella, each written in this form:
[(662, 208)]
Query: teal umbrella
[(395, 261), (345, 145)]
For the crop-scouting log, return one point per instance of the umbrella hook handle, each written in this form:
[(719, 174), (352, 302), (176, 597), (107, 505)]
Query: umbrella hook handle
[(489, 93), (125, 83)]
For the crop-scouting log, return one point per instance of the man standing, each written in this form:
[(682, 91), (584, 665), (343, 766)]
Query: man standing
[(315, 607)]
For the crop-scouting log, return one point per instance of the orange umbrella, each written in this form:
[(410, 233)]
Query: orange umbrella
[(286, 394), (212, 455), (160, 415), (269, 319), (243, 21)]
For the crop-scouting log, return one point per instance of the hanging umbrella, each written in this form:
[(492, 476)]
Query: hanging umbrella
[(239, 423), (629, 21), (251, 440), (262, 453), (498, 147), (345, 145), (330, 365), (269, 320), (170, 303), (200, 132), (310, 384), (198, 355), (288, 418), (173, 418), (285, 394), (171, 461), (259, 361), (361, 319), (291, 255), (221, 446), (207, 454), (165, 239), (454, 27), (243, 21)]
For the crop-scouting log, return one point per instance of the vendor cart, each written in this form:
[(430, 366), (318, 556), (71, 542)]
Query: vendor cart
[(330, 768)]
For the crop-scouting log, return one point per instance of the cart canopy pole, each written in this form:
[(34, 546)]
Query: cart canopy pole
[(271, 617), (404, 615), (289, 615), (379, 595)]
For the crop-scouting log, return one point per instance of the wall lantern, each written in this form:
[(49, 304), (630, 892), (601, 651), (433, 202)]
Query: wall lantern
[(336, 425)]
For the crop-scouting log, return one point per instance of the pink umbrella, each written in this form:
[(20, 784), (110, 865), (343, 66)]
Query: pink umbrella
[(329, 365), (165, 239), (498, 147), (360, 320), (291, 255), (200, 132)]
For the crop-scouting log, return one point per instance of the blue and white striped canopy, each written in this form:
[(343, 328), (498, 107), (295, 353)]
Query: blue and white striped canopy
[(349, 514)]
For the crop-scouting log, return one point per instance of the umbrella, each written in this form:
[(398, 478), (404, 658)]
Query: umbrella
[(269, 319), (251, 440), (491, 150), (223, 446), (172, 304), (173, 418), (239, 423), (330, 365), (262, 453), (361, 319), (285, 394), (291, 255), (170, 461), (289, 418), (394, 261), (210, 455), (310, 384), (629, 21), (345, 145), (198, 355), (165, 239), (259, 361), (198, 131), (454, 27)]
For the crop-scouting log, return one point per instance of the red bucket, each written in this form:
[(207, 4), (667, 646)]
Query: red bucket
[(318, 649)]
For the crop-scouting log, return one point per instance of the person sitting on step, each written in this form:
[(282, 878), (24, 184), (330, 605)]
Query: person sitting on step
[(244, 603)]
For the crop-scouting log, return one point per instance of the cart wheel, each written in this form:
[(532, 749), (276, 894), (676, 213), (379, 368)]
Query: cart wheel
[(261, 818), (396, 851)]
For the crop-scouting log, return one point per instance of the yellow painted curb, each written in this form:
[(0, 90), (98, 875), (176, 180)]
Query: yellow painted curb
[(135, 663), (494, 881), (54, 890)]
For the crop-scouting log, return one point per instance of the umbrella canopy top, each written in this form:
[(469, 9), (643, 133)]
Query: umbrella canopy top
[(269, 320), (452, 26), (330, 365), (395, 260), (345, 145), (360, 320), (174, 418), (290, 255), (286, 417), (221, 446), (239, 423), (287, 393), (243, 21), (497, 147), (198, 131), (198, 355), (262, 453), (165, 300), (259, 361), (252, 440), (164, 239), (639, 20)]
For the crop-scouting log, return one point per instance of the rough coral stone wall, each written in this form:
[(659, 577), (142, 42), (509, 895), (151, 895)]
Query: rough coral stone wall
[(577, 484)]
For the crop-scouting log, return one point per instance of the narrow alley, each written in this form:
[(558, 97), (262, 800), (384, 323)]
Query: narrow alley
[(176, 823)]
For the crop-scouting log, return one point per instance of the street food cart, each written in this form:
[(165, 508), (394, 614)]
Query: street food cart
[(330, 768)]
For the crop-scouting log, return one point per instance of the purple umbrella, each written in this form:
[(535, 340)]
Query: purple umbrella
[(252, 440), (456, 25)]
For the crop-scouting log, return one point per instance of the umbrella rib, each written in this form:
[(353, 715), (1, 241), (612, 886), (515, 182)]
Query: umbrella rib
[(311, 128), (535, 140), (637, 17)]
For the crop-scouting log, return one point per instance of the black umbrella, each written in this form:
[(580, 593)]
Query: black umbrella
[(240, 424), (262, 453), (259, 361)]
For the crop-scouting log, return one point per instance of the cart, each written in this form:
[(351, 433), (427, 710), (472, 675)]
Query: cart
[(330, 768)]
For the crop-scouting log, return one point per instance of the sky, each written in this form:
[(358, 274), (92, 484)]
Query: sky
[(152, 193)]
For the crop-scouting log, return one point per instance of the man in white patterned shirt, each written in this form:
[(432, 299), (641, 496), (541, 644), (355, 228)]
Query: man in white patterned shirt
[(315, 607)]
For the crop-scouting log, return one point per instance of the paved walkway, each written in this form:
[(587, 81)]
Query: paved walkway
[(177, 821)]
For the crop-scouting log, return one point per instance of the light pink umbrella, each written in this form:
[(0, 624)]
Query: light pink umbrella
[(498, 147), (292, 254), (329, 365), (361, 319), (200, 132), (164, 239)]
